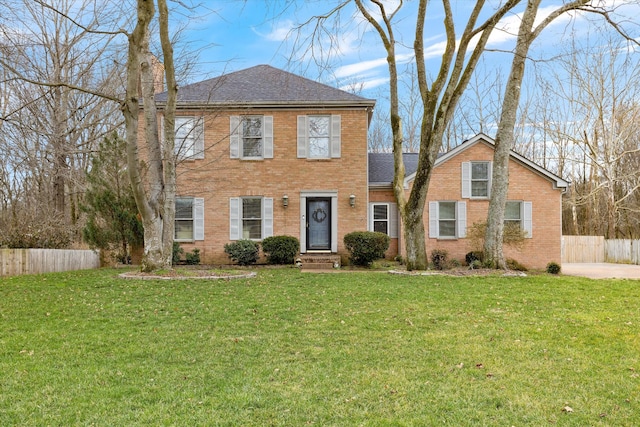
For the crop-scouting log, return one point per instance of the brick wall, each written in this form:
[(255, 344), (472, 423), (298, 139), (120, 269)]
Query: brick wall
[(218, 178), (524, 185)]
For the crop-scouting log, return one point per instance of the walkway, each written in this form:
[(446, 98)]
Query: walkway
[(602, 270)]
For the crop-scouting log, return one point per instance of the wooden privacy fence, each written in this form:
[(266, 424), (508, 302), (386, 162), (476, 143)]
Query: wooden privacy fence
[(597, 249), (14, 262)]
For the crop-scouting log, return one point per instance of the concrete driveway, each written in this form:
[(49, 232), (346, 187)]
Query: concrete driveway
[(602, 270)]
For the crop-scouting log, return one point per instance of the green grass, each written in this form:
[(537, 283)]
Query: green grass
[(293, 349)]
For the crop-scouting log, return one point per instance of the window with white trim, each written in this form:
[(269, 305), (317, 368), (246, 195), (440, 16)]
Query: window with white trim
[(319, 136), (476, 180), (519, 214), (447, 220), (251, 218), (189, 137), (384, 218), (480, 179), (189, 219), (251, 137)]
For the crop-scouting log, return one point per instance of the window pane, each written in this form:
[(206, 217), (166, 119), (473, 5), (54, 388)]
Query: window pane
[(380, 227), (479, 189), (512, 211), (319, 126), (380, 212), (251, 208), (447, 228), (252, 147), (251, 229), (447, 210), (252, 127), (318, 147), (184, 230), (184, 208), (479, 170)]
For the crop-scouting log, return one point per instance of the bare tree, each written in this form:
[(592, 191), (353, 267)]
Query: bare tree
[(595, 136), (528, 32)]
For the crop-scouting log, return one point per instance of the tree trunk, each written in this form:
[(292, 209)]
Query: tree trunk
[(155, 198), (493, 249)]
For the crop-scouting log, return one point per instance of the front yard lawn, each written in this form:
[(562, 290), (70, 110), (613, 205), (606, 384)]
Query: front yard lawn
[(291, 349)]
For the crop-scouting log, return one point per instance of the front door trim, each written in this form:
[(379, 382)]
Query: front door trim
[(333, 196)]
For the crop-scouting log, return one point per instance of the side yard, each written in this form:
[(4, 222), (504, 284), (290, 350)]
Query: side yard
[(289, 348)]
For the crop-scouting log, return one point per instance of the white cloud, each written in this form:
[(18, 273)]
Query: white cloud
[(279, 33)]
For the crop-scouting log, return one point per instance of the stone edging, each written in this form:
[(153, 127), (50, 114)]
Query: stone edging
[(212, 277)]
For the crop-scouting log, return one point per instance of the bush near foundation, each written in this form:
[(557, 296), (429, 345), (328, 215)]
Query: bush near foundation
[(281, 249), (366, 246)]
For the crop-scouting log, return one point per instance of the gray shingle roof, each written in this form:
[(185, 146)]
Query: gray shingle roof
[(264, 85), (381, 166)]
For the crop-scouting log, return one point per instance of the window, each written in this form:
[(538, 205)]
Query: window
[(479, 179), (251, 137), (476, 180), (189, 219), (189, 142), (381, 218), (520, 215), (513, 214), (447, 220), (251, 218), (384, 218), (319, 137)]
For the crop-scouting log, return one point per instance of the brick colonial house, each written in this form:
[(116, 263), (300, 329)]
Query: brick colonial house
[(264, 152)]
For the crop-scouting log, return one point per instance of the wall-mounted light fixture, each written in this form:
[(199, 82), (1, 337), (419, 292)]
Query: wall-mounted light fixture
[(352, 200), (285, 200)]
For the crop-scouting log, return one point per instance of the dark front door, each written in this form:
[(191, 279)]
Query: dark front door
[(319, 224)]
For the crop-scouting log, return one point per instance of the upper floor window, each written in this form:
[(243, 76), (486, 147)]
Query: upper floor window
[(189, 219), (189, 137), (251, 137), (319, 136), (447, 220), (476, 180)]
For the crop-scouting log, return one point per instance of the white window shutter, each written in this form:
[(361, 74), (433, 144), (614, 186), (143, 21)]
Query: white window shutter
[(461, 219), (234, 137), (371, 216), (433, 220), (393, 220), (198, 128), (267, 206), (198, 218), (267, 124), (466, 180), (234, 218), (527, 224), (303, 125), (336, 127)]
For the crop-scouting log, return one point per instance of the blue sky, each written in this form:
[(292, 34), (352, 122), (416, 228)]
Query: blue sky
[(236, 34)]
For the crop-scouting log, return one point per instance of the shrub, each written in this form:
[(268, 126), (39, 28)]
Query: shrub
[(193, 257), (176, 253), (244, 252), (470, 257), (281, 249), (553, 268), (512, 264), (439, 259), (366, 246)]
